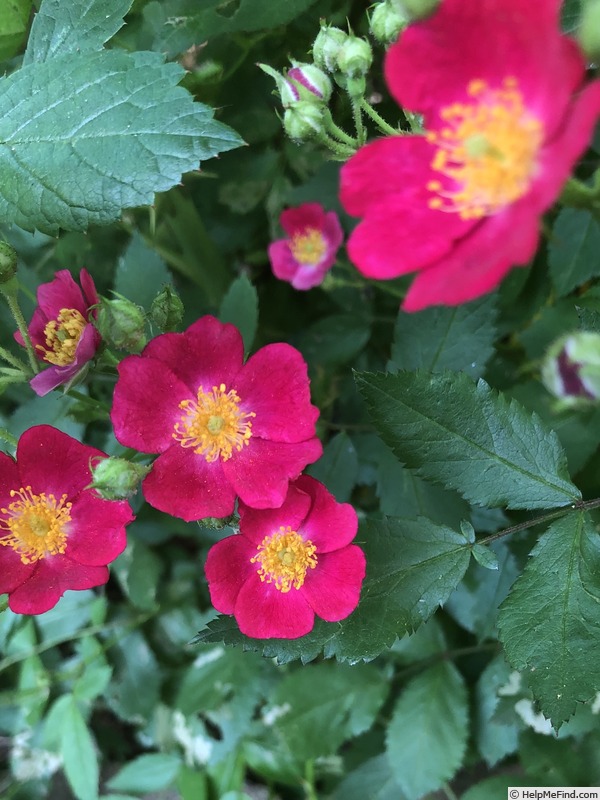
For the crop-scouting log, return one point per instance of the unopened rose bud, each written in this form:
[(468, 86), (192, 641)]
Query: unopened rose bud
[(417, 9), (117, 478), (122, 323), (589, 29), (312, 79), (303, 121), (327, 46), (355, 57), (387, 22), (8, 262), (166, 311), (571, 369)]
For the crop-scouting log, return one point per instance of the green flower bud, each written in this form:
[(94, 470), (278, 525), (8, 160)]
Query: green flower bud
[(387, 22), (166, 311), (308, 81), (122, 323), (327, 46), (303, 121), (116, 478), (571, 369), (355, 57), (589, 29), (8, 262), (417, 9)]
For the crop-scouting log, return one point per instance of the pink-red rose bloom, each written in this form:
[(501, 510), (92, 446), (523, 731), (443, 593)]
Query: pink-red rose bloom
[(309, 250), (55, 532), (506, 112), (289, 564), (61, 329), (223, 428)]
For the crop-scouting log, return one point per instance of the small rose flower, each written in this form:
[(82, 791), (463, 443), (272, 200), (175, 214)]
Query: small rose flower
[(61, 329), (313, 239), (507, 113), (223, 428), (289, 564), (55, 533)]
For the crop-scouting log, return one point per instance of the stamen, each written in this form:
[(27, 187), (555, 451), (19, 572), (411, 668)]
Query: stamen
[(284, 558), (213, 424), (35, 525), (308, 247), (488, 150), (62, 337)]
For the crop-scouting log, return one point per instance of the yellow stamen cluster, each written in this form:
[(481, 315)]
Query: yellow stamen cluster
[(308, 247), (284, 558), (214, 425), (488, 149), (62, 337), (35, 525)]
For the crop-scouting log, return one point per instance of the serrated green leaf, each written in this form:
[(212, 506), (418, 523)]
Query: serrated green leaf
[(496, 786), (79, 754), (412, 567), (403, 494), (496, 737), (373, 779), (138, 570), (181, 24), (240, 307), (141, 273), (334, 340), (77, 26), (13, 26), (338, 467), (147, 773), (133, 694), (550, 623), (441, 338), (484, 556), (569, 15), (468, 437), (474, 603), (573, 249), (76, 153), (319, 707), (427, 734)]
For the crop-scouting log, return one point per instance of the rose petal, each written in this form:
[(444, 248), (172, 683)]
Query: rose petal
[(52, 578), (333, 587), (227, 568), (96, 533), (255, 524), (263, 612), (185, 485), (329, 525)]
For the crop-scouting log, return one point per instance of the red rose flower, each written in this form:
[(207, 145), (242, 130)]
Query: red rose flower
[(223, 428), (56, 534), (289, 564), (314, 238), (507, 115), (61, 331)]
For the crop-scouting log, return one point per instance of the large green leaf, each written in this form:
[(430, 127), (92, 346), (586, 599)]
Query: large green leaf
[(76, 26), (79, 754), (441, 338), (412, 567), (13, 26), (427, 734), (317, 708), (550, 622), (147, 773), (373, 779), (240, 307), (468, 437), (182, 23), (573, 249), (76, 152)]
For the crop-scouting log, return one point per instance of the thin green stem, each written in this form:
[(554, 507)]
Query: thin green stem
[(361, 133), (384, 126), (309, 780), (336, 131), (580, 505), (89, 401), (9, 290), (14, 361), (343, 151), (449, 792), (91, 630), (7, 437)]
